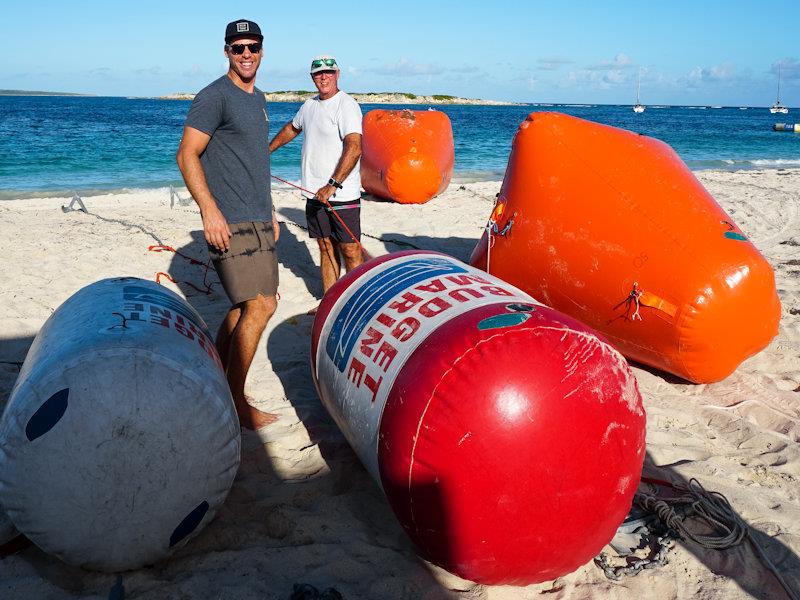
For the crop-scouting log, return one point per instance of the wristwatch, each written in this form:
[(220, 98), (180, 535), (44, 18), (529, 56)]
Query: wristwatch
[(334, 183)]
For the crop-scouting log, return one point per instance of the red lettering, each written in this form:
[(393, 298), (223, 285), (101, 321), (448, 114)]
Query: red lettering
[(385, 356), (181, 327), (356, 370), (496, 291), (433, 287), (466, 279), (373, 337), (433, 307), (384, 319), (159, 316), (405, 329), (411, 300), (373, 385), (460, 295)]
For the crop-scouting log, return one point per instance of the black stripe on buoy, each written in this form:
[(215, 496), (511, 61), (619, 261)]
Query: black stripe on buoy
[(48, 414), (189, 523)]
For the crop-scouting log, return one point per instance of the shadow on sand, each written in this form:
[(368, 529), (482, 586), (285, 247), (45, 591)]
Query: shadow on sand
[(275, 530)]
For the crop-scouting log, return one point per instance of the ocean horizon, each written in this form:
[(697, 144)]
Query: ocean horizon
[(54, 146)]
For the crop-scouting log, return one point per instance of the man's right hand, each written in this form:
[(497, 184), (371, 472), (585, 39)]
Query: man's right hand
[(216, 229)]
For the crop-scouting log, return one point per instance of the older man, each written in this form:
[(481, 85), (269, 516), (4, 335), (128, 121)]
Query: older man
[(225, 163), (331, 152)]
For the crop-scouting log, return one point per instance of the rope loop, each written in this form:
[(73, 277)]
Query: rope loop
[(633, 298), (692, 503)]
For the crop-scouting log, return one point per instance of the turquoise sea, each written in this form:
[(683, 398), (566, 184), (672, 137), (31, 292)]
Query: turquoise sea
[(59, 145)]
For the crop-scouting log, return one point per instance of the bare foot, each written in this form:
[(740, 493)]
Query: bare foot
[(252, 418)]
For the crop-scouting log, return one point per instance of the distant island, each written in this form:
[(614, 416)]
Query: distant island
[(367, 98), (35, 93)]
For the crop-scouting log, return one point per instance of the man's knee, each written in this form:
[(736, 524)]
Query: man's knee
[(326, 245), (258, 310), (350, 251)]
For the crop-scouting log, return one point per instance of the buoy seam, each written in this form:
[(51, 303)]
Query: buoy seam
[(425, 411), (566, 330)]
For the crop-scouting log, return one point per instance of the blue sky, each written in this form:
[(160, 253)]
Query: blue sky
[(712, 53)]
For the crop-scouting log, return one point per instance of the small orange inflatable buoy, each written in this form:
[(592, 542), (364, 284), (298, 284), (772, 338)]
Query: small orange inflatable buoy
[(407, 155), (613, 229)]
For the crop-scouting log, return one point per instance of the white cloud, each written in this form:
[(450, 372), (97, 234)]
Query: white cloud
[(723, 72), (405, 68), (156, 70), (552, 63), (620, 61), (790, 68)]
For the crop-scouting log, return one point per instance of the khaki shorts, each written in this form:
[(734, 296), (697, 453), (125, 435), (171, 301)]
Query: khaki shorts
[(250, 265)]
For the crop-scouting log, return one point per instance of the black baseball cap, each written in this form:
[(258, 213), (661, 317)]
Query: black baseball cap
[(242, 28)]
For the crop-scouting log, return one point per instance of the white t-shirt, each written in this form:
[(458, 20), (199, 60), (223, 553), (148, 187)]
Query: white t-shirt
[(325, 123)]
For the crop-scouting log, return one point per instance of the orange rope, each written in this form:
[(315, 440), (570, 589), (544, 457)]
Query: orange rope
[(193, 261)]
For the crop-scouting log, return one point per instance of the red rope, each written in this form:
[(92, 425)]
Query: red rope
[(332, 210), (193, 261)]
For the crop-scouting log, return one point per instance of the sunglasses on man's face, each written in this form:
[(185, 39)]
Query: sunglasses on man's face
[(237, 49), (328, 62)]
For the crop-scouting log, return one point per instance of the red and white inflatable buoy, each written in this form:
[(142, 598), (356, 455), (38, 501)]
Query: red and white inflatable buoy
[(507, 437)]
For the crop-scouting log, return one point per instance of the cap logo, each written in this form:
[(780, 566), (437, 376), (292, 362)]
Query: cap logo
[(240, 27)]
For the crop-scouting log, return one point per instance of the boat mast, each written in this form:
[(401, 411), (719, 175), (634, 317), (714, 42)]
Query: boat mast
[(638, 84)]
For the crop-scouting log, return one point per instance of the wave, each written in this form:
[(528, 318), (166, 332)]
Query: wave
[(67, 195), (729, 164), (460, 177)]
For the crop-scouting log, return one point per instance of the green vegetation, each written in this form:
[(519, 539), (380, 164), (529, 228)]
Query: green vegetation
[(443, 97)]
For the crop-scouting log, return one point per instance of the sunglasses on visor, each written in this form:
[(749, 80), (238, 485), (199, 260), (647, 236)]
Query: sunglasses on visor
[(328, 62), (237, 49)]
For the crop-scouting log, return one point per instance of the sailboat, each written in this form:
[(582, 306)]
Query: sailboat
[(778, 107), (638, 107)]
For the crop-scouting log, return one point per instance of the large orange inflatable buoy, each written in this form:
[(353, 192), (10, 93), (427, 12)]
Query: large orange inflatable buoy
[(407, 155), (613, 229)]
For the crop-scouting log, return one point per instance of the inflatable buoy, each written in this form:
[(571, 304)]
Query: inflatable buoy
[(507, 437), (120, 438), (407, 155), (613, 229), (7, 529)]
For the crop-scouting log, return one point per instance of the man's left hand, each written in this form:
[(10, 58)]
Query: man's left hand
[(325, 193)]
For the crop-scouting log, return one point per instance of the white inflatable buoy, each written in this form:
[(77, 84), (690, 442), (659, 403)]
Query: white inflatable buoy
[(7, 530), (120, 439)]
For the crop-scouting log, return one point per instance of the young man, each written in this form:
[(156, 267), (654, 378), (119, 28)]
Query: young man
[(224, 160), (331, 152)]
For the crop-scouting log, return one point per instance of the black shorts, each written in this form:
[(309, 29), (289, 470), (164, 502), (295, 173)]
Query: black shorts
[(322, 223), (250, 266)]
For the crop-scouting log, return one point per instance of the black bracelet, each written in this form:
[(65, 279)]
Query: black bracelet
[(334, 183)]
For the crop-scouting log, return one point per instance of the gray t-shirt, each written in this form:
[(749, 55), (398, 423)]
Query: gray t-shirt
[(236, 160)]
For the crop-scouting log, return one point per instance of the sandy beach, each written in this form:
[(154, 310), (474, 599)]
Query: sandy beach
[(304, 510)]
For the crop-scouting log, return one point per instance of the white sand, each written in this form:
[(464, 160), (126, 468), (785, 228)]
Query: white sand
[(303, 509)]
